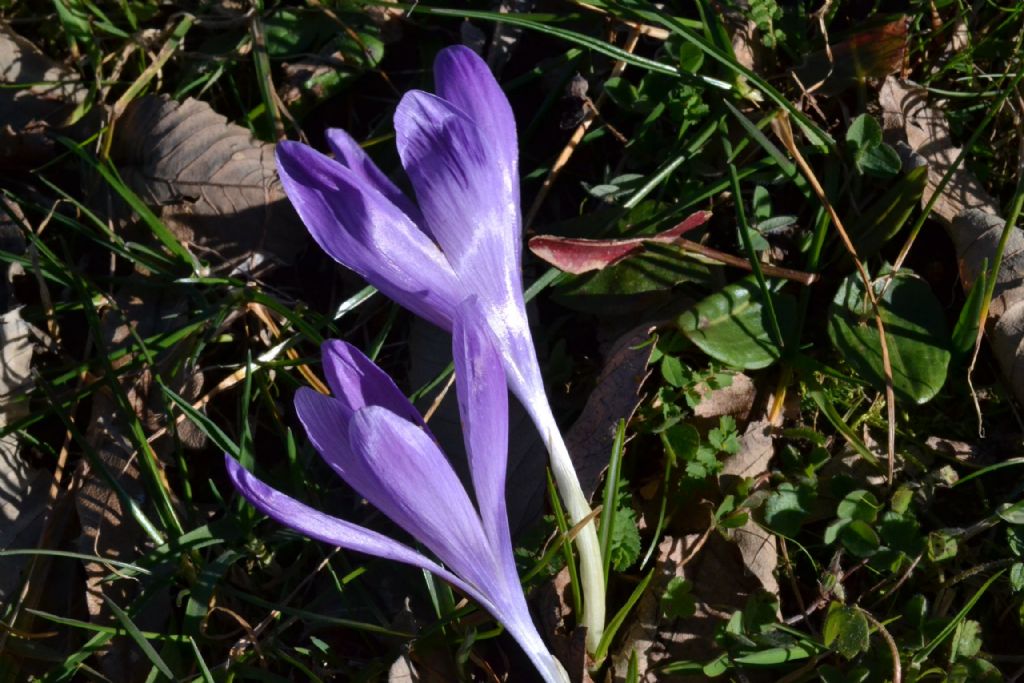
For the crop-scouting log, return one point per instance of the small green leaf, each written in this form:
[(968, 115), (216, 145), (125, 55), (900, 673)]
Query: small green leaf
[(1012, 513), (678, 602), (724, 437), (716, 667), (966, 639), (882, 161), (859, 538), (915, 611), (1017, 576), (625, 540), (691, 58), (864, 132), (786, 509), (965, 332), (847, 630), (775, 655), (901, 533), (681, 442), (941, 546), (916, 334), (859, 504), (832, 531), (674, 372), (732, 325), (870, 154)]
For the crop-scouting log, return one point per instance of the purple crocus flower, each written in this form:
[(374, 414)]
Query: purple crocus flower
[(462, 236), (371, 435)]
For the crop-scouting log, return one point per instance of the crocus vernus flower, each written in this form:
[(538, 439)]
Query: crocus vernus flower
[(371, 435), (463, 235)]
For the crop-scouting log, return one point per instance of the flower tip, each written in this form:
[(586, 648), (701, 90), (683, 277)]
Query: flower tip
[(285, 151), (240, 478), (457, 52)]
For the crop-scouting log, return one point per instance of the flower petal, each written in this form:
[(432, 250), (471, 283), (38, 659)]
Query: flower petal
[(337, 532), (483, 405), (326, 421), (348, 152), (357, 382), (418, 489), (463, 78), (315, 524), (468, 196), (362, 230)]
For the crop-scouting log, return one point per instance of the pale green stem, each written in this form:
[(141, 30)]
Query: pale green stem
[(591, 566)]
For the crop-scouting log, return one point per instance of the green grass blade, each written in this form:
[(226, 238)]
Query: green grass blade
[(611, 488), (135, 634), (620, 617)]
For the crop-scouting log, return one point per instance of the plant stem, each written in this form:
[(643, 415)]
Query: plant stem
[(591, 566)]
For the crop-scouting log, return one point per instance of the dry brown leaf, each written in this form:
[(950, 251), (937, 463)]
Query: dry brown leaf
[(301, 78), (736, 399), (107, 528), (551, 604), (216, 185), (756, 450), (615, 397), (906, 110), (28, 114), (23, 488), (758, 547), (720, 585), (873, 52)]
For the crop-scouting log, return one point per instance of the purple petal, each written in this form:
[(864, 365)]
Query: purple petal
[(337, 532), (357, 382), (418, 489), (348, 152), (462, 78), (362, 230), (315, 524), (483, 405), (326, 421), (369, 466), (468, 195)]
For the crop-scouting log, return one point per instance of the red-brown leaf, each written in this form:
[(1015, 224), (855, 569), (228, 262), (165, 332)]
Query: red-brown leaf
[(577, 255)]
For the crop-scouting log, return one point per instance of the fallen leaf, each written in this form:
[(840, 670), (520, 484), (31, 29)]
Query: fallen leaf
[(216, 186), (107, 528), (551, 605), (578, 255), (758, 546), (615, 397), (870, 53), (39, 96), (756, 451), (735, 399), (23, 487), (402, 671), (720, 585), (907, 111)]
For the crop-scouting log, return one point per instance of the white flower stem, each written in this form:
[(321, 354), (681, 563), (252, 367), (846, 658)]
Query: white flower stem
[(591, 566)]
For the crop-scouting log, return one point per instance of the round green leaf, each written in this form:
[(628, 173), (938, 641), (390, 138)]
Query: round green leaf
[(732, 325), (859, 504), (846, 630), (859, 538), (915, 328)]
